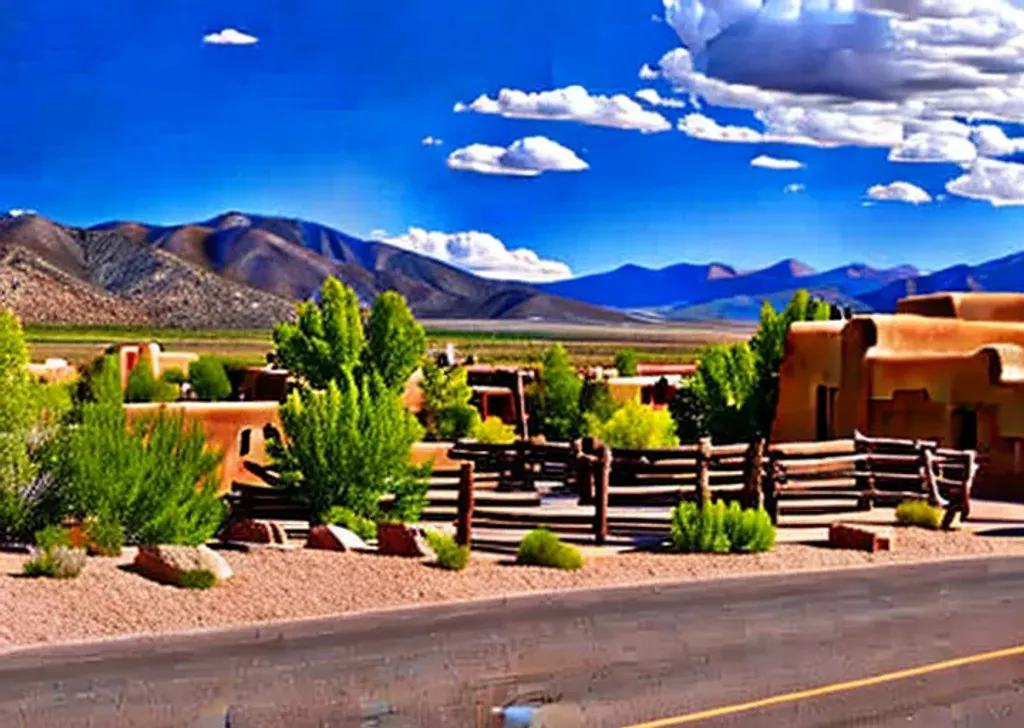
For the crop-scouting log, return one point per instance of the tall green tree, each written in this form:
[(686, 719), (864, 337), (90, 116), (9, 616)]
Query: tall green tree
[(447, 412), (18, 412), (626, 362), (209, 379), (556, 396), (396, 342), (327, 340)]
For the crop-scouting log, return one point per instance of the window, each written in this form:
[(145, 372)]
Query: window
[(246, 445), (965, 429), (821, 413)]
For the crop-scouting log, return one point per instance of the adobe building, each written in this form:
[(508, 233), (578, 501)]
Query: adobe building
[(947, 367)]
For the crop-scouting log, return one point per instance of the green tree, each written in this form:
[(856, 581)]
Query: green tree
[(348, 445), (626, 362), (556, 396), (141, 385), (156, 479), (209, 379), (640, 427), (447, 412), (733, 394), (395, 340), (327, 340), (18, 412)]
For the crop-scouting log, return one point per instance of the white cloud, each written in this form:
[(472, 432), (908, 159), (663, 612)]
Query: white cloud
[(1000, 183), (655, 99), (527, 157), (230, 36), (899, 192), (378, 234), (648, 74), (794, 187), (766, 162), (992, 141), (926, 147), (704, 127), (572, 103), (828, 128), (429, 141), (483, 254), (16, 212)]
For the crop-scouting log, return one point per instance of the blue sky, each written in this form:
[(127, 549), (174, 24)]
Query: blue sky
[(120, 110)]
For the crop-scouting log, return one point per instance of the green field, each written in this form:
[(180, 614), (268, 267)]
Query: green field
[(506, 342)]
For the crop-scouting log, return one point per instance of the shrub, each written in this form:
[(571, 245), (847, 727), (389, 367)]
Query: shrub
[(720, 530), (493, 431), (141, 386), (209, 379), (156, 480), (60, 562), (637, 426), (174, 375), (50, 537), (349, 446), (456, 421), (447, 412), (541, 547), (364, 528), (198, 579), (556, 396), (450, 555), (104, 538), (919, 513), (596, 401), (626, 362), (17, 415)]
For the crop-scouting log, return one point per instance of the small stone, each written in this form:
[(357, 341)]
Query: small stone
[(167, 563), (255, 531), (399, 539)]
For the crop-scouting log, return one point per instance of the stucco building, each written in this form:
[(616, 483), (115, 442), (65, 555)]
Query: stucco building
[(947, 367)]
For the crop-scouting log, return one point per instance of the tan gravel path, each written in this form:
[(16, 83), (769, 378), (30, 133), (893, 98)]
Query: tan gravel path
[(107, 600)]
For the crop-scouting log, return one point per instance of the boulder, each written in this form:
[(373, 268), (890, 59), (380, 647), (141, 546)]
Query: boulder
[(166, 563), (255, 531), (846, 536), (399, 539), (334, 538)]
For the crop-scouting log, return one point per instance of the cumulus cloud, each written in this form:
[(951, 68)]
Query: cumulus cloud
[(483, 254), (1000, 183), (573, 103), (704, 127), (16, 212), (527, 157), (899, 192), (926, 147), (991, 141), (766, 162), (429, 141), (653, 98), (794, 187), (230, 36)]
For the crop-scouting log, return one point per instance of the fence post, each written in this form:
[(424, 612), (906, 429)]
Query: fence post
[(754, 496), (771, 496), (464, 519), (604, 469), (523, 416), (704, 471)]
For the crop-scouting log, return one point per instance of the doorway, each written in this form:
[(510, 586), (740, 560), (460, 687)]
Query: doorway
[(965, 428)]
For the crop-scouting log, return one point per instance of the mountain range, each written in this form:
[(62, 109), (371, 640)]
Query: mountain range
[(247, 271)]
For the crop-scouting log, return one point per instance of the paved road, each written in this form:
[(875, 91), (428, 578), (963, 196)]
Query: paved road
[(622, 656)]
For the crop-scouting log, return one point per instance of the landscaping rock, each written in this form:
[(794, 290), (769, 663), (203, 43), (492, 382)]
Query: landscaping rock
[(845, 536), (166, 563), (399, 539), (334, 538), (256, 531)]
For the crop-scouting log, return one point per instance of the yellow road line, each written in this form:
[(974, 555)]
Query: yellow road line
[(831, 689)]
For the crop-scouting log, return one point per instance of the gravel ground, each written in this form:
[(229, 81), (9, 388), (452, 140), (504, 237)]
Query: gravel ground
[(107, 600)]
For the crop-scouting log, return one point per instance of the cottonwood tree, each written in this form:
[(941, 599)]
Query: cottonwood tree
[(396, 341), (556, 396)]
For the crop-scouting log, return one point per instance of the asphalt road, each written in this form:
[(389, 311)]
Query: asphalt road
[(614, 658)]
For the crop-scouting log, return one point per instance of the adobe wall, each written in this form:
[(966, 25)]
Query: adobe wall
[(1005, 307), (813, 357)]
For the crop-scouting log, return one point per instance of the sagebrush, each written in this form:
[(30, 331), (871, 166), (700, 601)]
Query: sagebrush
[(493, 431), (721, 529), (450, 555), (919, 513)]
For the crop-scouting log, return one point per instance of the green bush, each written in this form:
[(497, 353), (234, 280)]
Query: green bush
[(596, 402), (626, 362), (541, 547), (349, 446), (456, 421), (493, 431), (447, 412), (141, 386), (555, 398), (638, 426), (198, 579), (104, 538), (60, 562), (50, 537), (919, 513), (720, 530), (174, 375), (364, 528), (156, 480), (209, 379), (450, 555)]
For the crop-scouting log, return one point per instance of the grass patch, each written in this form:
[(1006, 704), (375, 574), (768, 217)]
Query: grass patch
[(718, 529), (919, 513), (197, 579), (450, 555), (541, 547)]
